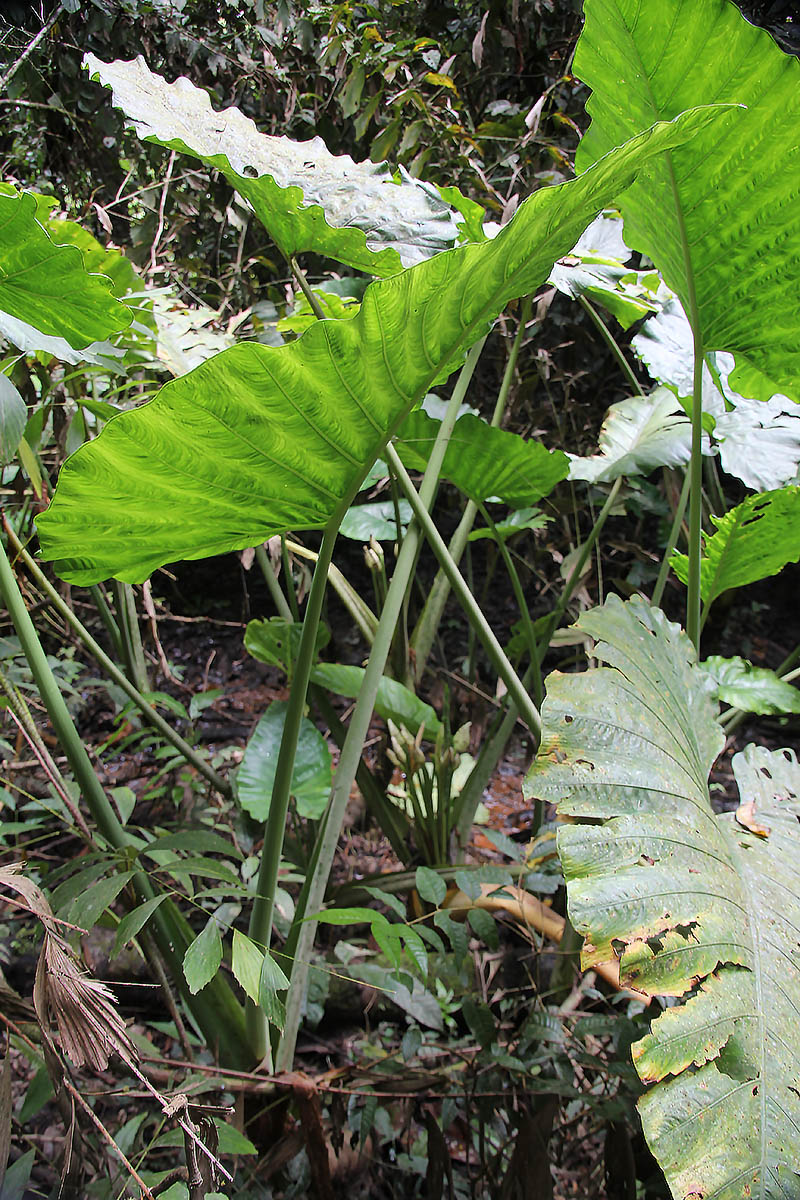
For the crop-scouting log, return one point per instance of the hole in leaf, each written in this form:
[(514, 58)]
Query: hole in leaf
[(250, 171), (568, 719)]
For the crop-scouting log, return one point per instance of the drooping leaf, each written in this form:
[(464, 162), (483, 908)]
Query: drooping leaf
[(595, 268), (752, 689), (311, 775), (262, 439), (515, 522), (46, 285), (482, 461), (753, 541), (203, 957), (305, 196), (394, 701), (272, 981), (707, 213), (246, 963), (13, 419), (694, 905), (638, 435)]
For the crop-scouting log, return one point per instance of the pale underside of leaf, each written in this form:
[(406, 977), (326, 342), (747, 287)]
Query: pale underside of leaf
[(259, 440), (308, 198), (638, 435), (692, 904), (734, 191)]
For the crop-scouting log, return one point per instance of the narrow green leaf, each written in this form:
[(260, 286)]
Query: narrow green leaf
[(246, 963), (484, 926), (272, 981), (202, 840), (134, 921), (350, 916), (480, 1020), (87, 908), (203, 957), (707, 212), (311, 774), (753, 541), (260, 439)]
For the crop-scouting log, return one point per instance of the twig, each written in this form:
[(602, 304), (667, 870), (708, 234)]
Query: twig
[(29, 49), (106, 1136), (161, 207)]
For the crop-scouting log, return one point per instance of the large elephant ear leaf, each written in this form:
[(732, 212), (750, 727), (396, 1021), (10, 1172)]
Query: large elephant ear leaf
[(45, 287), (308, 198), (697, 906), (708, 213), (260, 439)]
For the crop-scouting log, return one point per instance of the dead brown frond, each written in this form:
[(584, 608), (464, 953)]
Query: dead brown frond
[(89, 1027)]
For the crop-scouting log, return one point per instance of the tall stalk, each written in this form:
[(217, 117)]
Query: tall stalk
[(424, 632), (263, 905), (128, 624), (301, 939)]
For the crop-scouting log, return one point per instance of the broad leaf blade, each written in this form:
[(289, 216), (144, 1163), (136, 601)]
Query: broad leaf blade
[(483, 461), (752, 689), (306, 197), (46, 285), (728, 190), (261, 439), (394, 701), (693, 905), (753, 541)]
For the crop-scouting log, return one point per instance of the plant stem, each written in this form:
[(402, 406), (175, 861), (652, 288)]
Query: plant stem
[(261, 916), (493, 648), (424, 632), (128, 621), (112, 670), (106, 616), (301, 936), (611, 342), (215, 1008), (519, 594), (663, 574), (271, 580)]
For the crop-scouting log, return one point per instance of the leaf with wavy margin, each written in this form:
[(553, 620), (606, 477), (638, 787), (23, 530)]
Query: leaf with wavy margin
[(308, 198), (693, 904), (261, 439)]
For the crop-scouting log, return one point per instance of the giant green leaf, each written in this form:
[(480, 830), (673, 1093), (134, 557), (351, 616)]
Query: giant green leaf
[(262, 439), (753, 541), (483, 461), (719, 216), (697, 906), (46, 285), (306, 197)]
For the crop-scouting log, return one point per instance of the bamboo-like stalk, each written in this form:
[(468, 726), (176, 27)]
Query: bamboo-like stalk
[(260, 929), (497, 654)]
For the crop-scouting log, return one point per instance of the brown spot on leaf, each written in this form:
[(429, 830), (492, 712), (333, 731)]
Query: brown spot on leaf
[(746, 816)]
